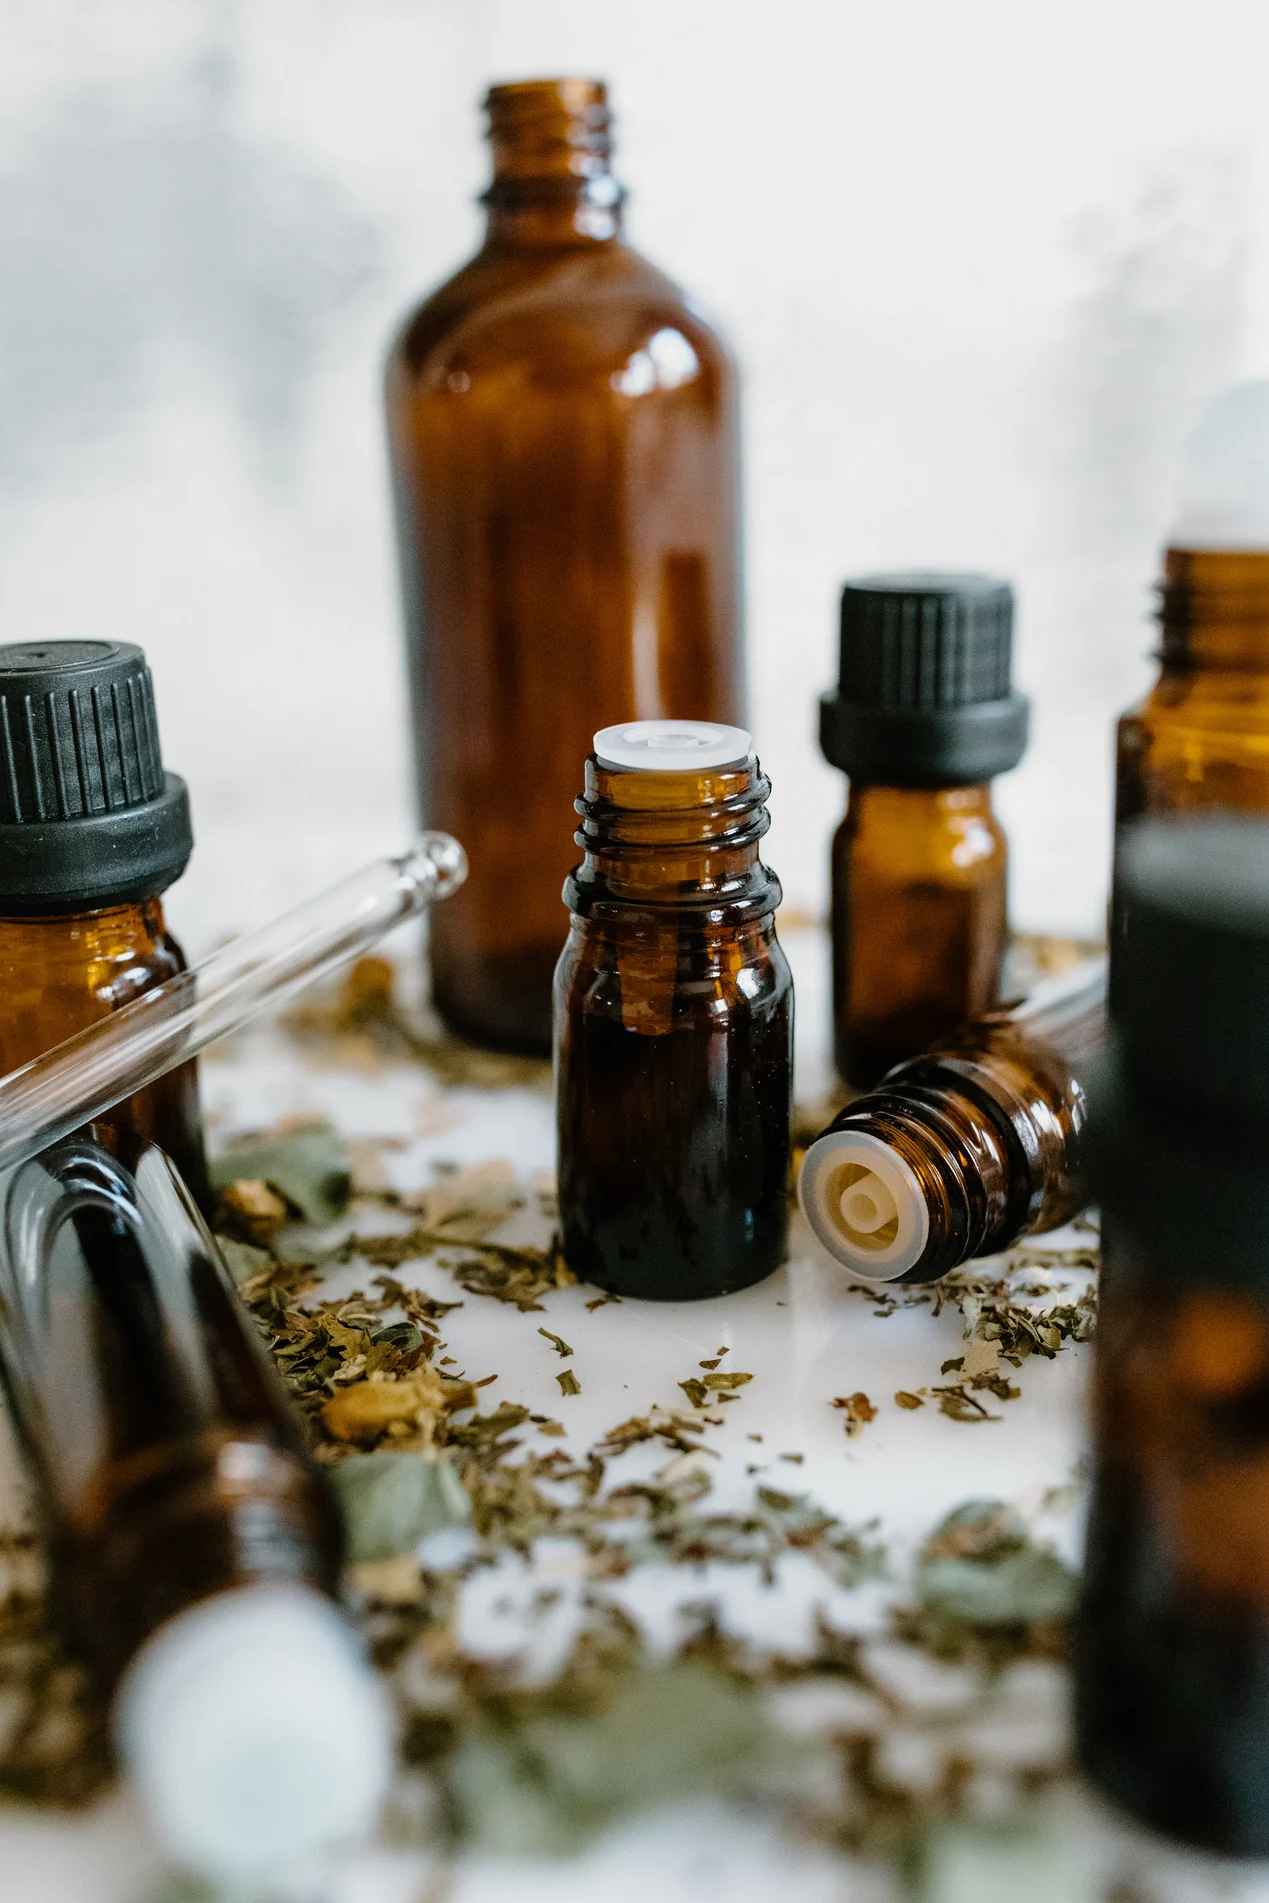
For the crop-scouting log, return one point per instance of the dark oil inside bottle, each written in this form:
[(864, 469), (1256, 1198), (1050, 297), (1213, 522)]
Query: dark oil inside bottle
[(676, 1183), (168, 1462), (1172, 1685), (673, 1037)]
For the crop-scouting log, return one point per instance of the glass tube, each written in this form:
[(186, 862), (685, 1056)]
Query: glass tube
[(67, 1087)]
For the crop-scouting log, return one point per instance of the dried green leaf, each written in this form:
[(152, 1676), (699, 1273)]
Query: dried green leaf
[(311, 1170), (904, 1399), (981, 1567), (561, 1347), (569, 1383), (732, 1380), (390, 1501)]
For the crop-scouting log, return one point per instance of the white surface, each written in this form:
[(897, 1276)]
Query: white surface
[(671, 746), (983, 265), (254, 1732)]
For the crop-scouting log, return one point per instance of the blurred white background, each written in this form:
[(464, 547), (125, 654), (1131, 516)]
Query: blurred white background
[(983, 265)]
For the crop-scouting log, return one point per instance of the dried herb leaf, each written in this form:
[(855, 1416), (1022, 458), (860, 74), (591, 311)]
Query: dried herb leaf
[(390, 1501), (561, 1347), (858, 1410), (732, 1380), (569, 1383), (904, 1399), (309, 1169)]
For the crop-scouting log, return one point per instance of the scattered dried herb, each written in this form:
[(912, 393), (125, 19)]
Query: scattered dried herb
[(858, 1410), (569, 1383), (561, 1347), (306, 1165), (904, 1399), (392, 1500)]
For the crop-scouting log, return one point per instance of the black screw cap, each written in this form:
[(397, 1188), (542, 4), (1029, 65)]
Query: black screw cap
[(924, 696), (88, 817)]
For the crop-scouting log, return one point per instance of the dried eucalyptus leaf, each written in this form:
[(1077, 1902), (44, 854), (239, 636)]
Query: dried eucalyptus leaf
[(311, 1170), (982, 1567), (390, 1501), (242, 1259), (548, 1784)]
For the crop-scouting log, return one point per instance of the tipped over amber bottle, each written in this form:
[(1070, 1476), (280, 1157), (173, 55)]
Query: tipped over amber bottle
[(673, 1021), (1172, 1654), (92, 831), (959, 1152), (564, 447), (923, 719)]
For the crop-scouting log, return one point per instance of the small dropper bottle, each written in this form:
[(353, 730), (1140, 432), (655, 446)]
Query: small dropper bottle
[(92, 832), (1172, 1654), (961, 1151), (923, 719), (673, 1020)]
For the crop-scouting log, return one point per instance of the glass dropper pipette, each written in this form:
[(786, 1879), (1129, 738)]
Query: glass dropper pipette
[(82, 1078)]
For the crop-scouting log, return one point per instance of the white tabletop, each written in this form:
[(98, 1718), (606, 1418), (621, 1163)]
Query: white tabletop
[(807, 1339)]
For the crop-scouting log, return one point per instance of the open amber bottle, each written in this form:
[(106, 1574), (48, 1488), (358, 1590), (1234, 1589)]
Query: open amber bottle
[(959, 1152), (564, 448), (673, 1021), (1172, 1655), (922, 720), (92, 831)]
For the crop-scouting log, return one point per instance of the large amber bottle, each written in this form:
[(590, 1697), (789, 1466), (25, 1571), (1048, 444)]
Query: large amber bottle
[(563, 436)]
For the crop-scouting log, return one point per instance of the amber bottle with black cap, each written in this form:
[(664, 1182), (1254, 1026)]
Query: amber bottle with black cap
[(563, 432), (1172, 1658), (923, 719), (92, 832)]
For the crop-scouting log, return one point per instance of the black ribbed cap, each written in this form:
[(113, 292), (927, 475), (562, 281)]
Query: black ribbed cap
[(88, 817), (1179, 1135), (924, 695)]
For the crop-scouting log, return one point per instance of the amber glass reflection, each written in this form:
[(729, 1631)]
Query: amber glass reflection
[(59, 974), (1172, 1682), (674, 1022), (170, 1467), (563, 435), (1201, 736), (918, 921)]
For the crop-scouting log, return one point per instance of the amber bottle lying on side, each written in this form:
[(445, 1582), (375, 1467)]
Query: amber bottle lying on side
[(564, 447), (923, 718), (961, 1151), (673, 1021), (1172, 1655), (92, 831)]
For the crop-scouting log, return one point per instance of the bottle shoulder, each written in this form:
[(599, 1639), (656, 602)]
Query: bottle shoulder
[(592, 307)]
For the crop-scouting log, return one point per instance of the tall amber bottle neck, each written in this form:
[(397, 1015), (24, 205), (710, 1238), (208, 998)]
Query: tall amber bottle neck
[(551, 179), (1215, 610), (683, 845)]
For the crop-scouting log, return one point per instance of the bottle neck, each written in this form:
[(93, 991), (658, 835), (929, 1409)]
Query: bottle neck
[(1215, 610), (680, 847), (551, 179)]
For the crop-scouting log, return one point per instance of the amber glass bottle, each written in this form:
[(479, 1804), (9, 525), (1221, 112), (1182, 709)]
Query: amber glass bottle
[(195, 1546), (1201, 736), (563, 437), (922, 720), (961, 1151), (91, 832), (1172, 1660), (673, 1021)]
